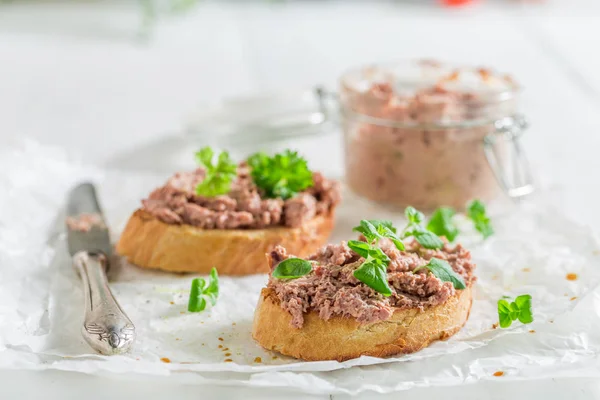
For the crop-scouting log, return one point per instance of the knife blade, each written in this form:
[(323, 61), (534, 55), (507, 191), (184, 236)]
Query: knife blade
[(106, 328)]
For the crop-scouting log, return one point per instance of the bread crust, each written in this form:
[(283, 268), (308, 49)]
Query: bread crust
[(151, 243), (341, 338)]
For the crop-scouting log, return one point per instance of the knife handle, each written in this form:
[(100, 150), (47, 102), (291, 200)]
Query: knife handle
[(106, 328)]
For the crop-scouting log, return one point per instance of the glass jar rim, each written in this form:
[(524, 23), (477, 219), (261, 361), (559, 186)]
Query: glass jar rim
[(488, 89)]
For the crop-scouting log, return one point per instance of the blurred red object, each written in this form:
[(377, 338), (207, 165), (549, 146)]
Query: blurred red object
[(454, 3)]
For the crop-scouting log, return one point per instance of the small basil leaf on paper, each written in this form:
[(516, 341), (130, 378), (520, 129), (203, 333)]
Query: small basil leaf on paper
[(292, 268), (519, 309), (441, 223), (524, 304), (444, 272), (428, 239), (477, 213), (374, 274), (503, 314), (200, 290)]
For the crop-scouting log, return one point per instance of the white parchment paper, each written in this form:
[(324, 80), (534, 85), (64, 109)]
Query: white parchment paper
[(41, 303)]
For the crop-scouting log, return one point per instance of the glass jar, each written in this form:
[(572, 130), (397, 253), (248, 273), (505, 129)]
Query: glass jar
[(427, 134)]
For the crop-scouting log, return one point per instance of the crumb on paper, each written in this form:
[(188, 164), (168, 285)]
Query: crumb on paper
[(532, 331), (571, 276), (221, 339), (551, 321), (220, 346), (526, 269), (498, 373), (172, 302), (495, 325), (227, 354), (85, 222), (258, 360), (573, 298), (228, 360), (177, 338), (165, 360), (226, 349), (233, 324), (181, 312), (275, 357)]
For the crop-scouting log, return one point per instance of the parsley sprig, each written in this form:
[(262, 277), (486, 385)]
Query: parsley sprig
[(218, 176), (282, 175), (477, 213), (415, 228), (200, 291), (519, 309), (444, 272)]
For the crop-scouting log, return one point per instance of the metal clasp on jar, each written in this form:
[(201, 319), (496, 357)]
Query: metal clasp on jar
[(507, 158)]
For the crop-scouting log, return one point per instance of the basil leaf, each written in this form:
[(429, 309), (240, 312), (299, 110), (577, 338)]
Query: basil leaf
[(503, 314), (519, 309), (524, 304), (374, 274), (373, 230), (292, 268), (360, 248), (414, 216), (428, 240), (444, 272), (200, 290), (368, 230), (477, 213), (196, 302), (213, 286), (441, 223)]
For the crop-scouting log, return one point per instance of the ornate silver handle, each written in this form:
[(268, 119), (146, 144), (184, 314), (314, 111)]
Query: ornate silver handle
[(106, 328)]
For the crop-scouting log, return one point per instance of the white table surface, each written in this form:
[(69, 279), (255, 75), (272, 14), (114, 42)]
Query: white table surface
[(75, 75)]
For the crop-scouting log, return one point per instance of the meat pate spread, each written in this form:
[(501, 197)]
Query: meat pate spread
[(85, 222), (244, 207), (421, 143), (331, 289)]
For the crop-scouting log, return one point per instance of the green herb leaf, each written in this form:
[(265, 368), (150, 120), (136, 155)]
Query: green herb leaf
[(477, 213), (504, 314), (519, 309), (444, 272), (415, 228), (414, 216), (292, 268), (428, 239), (218, 176), (282, 175), (375, 229), (373, 273), (360, 248), (200, 290), (441, 223)]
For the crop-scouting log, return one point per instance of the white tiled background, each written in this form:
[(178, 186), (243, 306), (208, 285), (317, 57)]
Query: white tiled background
[(78, 75)]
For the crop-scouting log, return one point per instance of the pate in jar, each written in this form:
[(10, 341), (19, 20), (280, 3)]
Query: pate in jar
[(427, 134)]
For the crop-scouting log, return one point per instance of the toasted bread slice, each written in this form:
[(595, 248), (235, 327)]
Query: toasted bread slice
[(151, 243), (340, 338)]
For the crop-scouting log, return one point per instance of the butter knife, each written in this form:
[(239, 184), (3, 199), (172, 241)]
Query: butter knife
[(105, 328)]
